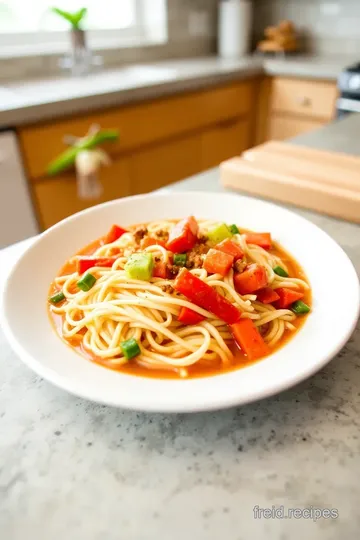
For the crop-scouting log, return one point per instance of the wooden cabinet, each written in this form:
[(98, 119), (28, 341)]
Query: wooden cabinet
[(311, 99), (56, 198), (224, 141), (161, 141), (283, 127), (288, 107), (141, 124), (170, 138), (161, 165)]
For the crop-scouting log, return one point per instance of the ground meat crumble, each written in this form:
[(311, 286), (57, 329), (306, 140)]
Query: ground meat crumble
[(173, 270), (195, 257), (202, 239), (167, 289), (162, 235), (139, 233), (240, 266)]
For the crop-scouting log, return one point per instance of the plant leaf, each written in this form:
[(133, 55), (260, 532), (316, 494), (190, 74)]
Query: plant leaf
[(64, 14), (73, 18), (79, 15)]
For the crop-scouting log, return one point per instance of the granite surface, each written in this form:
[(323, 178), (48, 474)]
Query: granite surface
[(338, 136), (34, 100), (73, 469)]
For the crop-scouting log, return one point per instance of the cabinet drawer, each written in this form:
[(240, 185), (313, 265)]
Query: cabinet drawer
[(169, 162), (56, 198), (284, 127), (138, 125), (224, 141), (306, 98)]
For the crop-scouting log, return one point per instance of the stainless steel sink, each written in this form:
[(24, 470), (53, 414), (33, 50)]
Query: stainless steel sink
[(57, 89), (149, 72)]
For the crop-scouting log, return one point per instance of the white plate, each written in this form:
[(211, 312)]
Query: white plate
[(332, 277)]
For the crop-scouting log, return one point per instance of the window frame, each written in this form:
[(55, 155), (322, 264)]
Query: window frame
[(27, 43)]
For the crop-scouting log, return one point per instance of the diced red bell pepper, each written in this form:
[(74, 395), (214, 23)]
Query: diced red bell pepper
[(84, 263), (232, 248), (259, 239), (183, 235), (189, 316), (252, 279), (249, 339), (218, 262), (160, 270), (267, 295), (201, 294), (114, 233), (287, 297), (150, 241)]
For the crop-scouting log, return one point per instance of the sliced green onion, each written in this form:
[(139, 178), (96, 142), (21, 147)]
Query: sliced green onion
[(180, 259), (57, 297), (86, 282), (130, 348), (280, 271), (233, 229), (299, 307), (140, 266), (67, 159)]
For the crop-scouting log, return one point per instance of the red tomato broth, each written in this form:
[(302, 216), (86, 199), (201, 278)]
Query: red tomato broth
[(202, 368)]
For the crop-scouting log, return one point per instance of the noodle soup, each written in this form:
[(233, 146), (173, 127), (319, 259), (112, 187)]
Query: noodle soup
[(179, 299)]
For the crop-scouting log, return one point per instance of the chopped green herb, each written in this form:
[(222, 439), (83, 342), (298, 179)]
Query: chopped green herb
[(57, 297), (300, 308), (280, 271), (86, 282), (233, 229), (130, 348), (180, 259)]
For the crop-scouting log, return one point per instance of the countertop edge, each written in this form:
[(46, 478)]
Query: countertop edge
[(188, 75), (20, 116)]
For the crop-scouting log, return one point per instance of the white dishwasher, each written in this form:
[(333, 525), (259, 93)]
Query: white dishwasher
[(17, 215)]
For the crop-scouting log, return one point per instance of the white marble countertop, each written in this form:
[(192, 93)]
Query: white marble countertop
[(73, 469), (28, 101)]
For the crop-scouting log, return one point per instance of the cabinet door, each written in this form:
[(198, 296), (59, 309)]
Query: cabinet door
[(56, 198), (314, 99), (140, 124), (282, 127), (165, 163), (224, 141)]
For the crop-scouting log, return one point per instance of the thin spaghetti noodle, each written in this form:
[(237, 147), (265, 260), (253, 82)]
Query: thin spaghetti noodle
[(118, 308)]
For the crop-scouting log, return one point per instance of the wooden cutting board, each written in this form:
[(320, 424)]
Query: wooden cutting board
[(319, 180)]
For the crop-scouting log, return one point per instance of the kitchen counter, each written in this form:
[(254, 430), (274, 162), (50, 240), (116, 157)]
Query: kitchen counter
[(73, 469), (37, 100)]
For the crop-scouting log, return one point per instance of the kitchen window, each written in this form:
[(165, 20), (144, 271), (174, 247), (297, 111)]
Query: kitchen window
[(30, 26)]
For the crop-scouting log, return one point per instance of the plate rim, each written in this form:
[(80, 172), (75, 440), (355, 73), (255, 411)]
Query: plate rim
[(67, 385)]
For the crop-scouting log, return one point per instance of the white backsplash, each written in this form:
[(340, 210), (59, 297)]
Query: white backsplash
[(192, 26), (327, 26)]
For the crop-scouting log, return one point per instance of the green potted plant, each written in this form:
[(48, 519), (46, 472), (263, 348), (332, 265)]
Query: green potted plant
[(80, 55)]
